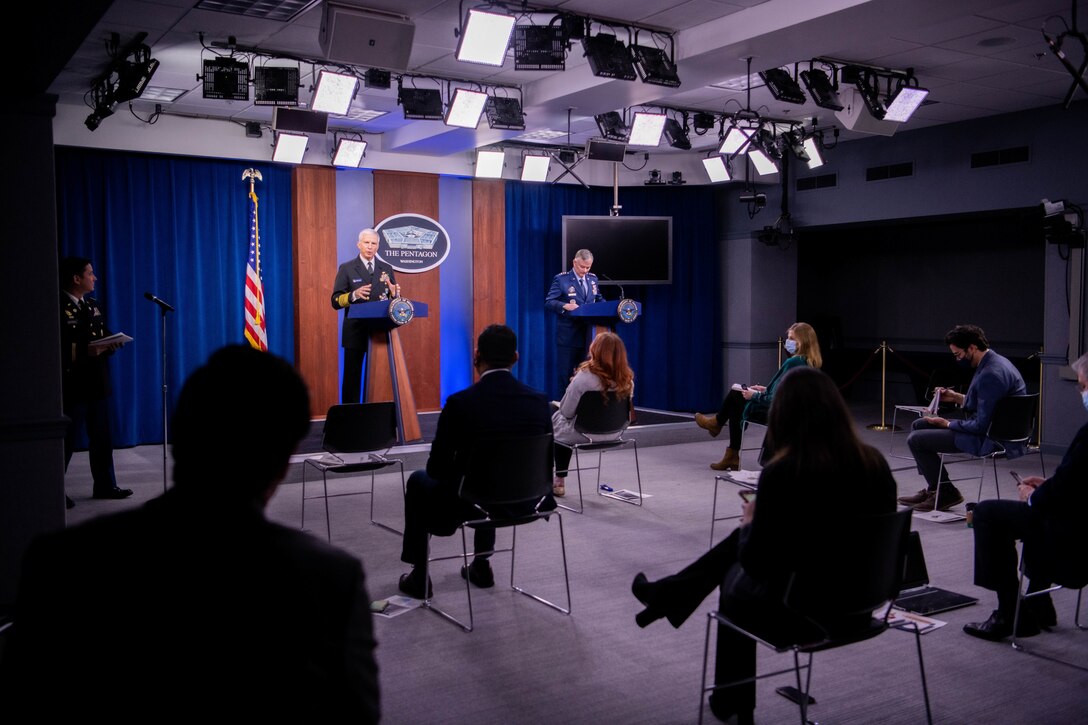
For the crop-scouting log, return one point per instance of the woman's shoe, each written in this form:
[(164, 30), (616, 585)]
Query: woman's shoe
[(708, 422), (729, 462), (643, 590), (724, 710), (559, 487)]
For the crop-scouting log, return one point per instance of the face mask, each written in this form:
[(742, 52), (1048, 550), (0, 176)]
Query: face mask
[(964, 363), (1084, 399), (791, 346)]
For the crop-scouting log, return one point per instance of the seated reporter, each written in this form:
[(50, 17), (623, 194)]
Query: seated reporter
[(816, 449), (1048, 518), (752, 403), (605, 372)]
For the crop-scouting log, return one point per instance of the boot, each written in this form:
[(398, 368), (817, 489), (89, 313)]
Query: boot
[(729, 462), (709, 422)]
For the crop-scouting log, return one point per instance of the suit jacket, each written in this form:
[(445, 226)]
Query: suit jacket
[(569, 331), (196, 606), (995, 378), (83, 377), (497, 405), (1057, 509), (351, 276)]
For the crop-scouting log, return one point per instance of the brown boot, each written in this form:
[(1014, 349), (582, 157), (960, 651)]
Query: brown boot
[(709, 422), (729, 462)]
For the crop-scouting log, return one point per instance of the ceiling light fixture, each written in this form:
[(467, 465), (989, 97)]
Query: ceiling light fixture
[(134, 75), (782, 86), (646, 129), (275, 85), (608, 57), (465, 108), (290, 147), (736, 140), (654, 66), (539, 47), (226, 79), (611, 126), (904, 102), (485, 37), (824, 92), (763, 164), (716, 169), (349, 152), (505, 113), (424, 104), (334, 92), (489, 164), (535, 167), (677, 135), (815, 158)]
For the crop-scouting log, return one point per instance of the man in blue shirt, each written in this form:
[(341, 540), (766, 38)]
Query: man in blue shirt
[(995, 378)]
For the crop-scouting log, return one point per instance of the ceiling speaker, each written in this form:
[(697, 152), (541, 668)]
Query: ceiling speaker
[(359, 36)]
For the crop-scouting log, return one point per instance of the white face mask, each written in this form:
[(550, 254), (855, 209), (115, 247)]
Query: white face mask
[(1084, 399), (791, 346)]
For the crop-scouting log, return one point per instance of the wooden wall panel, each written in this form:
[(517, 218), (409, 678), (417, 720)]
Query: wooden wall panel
[(397, 192), (317, 351), (488, 253)]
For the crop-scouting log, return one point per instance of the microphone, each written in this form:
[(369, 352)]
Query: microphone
[(622, 295), (161, 303)]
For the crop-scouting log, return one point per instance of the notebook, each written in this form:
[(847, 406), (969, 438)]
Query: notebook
[(916, 595)]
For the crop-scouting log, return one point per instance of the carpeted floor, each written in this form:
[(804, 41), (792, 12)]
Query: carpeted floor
[(528, 664)]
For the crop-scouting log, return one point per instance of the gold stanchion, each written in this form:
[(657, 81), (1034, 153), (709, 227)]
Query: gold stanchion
[(882, 425), (780, 352), (1039, 414)]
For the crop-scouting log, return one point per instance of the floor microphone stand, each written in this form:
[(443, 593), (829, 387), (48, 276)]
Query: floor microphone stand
[(163, 309)]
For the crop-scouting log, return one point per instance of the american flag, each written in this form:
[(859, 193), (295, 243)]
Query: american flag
[(255, 328)]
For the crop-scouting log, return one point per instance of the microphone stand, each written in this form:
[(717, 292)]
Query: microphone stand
[(163, 309)]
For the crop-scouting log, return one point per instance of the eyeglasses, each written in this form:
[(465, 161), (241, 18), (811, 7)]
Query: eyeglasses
[(962, 354)]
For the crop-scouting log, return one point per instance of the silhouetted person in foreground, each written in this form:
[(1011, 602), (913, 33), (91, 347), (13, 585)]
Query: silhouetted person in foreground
[(214, 611)]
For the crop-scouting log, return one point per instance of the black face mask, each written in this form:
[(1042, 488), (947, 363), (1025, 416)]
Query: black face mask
[(963, 362)]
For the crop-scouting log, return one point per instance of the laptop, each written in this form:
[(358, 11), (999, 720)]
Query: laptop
[(916, 595)]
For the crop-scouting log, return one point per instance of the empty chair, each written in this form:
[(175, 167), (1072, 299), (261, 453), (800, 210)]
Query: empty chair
[(355, 440)]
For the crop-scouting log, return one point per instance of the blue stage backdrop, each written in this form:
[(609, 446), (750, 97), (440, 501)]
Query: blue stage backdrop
[(675, 346), (177, 227)]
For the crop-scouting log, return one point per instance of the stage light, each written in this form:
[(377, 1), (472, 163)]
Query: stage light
[(489, 164), (539, 47), (226, 79), (134, 75), (611, 126), (654, 66), (815, 158), (423, 104), (608, 57), (782, 86), (290, 147), (795, 139), (465, 108), (904, 103), (736, 139), (646, 129), (716, 169), (535, 168), (676, 135), (275, 85), (377, 78), (866, 82), (485, 38), (762, 163), (505, 113), (102, 104), (821, 89), (765, 141), (334, 92), (704, 121), (349, 153)]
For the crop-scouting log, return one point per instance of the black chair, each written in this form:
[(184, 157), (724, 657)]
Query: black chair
[(355, 439), (1073, 577), (603, 424), (509, 482), (940, 378), (714, 518), (847, 574), (1013, 422)]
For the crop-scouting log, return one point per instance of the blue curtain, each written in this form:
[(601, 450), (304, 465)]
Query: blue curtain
[(675, 346), (179, 228)]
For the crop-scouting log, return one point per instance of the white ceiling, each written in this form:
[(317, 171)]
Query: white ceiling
[(977, 57)]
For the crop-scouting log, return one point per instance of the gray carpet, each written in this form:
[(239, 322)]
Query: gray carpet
[(526, 663)]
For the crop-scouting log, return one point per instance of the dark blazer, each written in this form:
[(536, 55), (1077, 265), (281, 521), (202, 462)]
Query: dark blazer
[(83, 377), (349, 277), (1057, 512), (189, 606), (995, 378), (498, 405), (569, 331)]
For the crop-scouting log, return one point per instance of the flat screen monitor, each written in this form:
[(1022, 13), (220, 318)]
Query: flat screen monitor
[(626, 250)]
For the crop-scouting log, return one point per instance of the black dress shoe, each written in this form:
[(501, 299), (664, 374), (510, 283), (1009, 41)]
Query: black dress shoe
[(479, 573), (998, 627), (114, 492), (412, 585), (1043, 609), (723, 709)]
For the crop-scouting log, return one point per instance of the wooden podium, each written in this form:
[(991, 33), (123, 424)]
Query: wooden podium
[(386, 370)]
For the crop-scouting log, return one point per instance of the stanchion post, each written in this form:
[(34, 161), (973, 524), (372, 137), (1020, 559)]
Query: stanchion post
[(780, 341), (882, 425), (1039, 414)]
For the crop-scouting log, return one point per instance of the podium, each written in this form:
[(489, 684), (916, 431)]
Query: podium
[(386, 370), (604, 315)]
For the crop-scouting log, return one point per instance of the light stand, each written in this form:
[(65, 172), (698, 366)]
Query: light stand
[(164, 307)]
